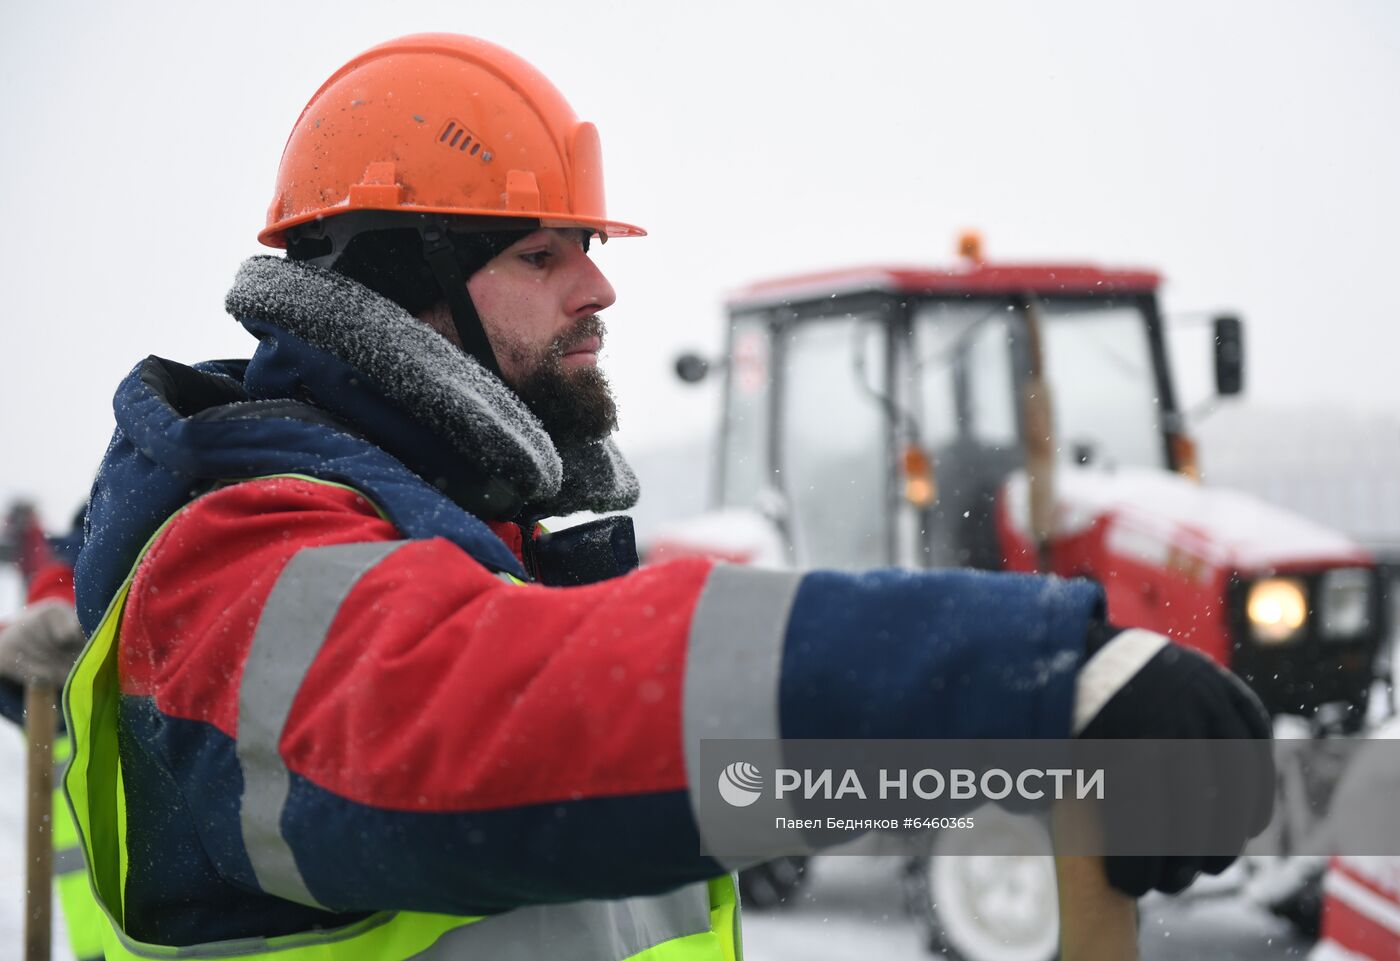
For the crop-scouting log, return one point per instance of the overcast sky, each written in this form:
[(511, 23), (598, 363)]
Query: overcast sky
[(1248, 150)]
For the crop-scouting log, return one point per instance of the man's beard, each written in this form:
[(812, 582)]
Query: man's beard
[(575, 404)]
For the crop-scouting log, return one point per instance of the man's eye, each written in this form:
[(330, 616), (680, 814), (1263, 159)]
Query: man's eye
[(536, 258)]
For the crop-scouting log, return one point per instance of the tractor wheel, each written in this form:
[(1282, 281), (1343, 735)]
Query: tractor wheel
[(986, 907)]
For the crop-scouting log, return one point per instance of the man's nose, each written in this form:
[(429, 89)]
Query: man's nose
[(591, 292)]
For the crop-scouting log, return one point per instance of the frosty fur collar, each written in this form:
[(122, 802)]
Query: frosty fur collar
[(426, 376)]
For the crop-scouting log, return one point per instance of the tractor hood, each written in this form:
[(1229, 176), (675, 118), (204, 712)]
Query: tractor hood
[(1153, 515)]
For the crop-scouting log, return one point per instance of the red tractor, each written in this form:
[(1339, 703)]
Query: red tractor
[(1021, 417)]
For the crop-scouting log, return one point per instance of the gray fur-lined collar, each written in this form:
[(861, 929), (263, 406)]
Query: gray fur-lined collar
[(420, 372)]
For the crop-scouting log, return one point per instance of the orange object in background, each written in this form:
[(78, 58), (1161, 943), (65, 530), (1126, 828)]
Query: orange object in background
[(920, 487), (1188, 460)]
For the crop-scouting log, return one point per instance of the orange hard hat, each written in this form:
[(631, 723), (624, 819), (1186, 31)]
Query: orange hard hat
[(439, 123)]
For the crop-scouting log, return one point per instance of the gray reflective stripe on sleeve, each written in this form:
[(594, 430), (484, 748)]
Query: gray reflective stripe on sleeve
[(735, 651), (579, 930), (290, 632), (68, 860), (732, 665)]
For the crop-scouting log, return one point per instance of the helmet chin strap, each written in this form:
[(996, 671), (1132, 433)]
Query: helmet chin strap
[(440, 256)]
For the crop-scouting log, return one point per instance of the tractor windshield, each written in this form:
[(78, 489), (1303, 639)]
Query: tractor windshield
[(971, 358), (1103, 383)]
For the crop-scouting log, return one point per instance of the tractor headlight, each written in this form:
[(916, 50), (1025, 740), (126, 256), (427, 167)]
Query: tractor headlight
[(1277, 609), (1345, 603)]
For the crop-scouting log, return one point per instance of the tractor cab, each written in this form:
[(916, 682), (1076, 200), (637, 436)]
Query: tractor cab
[(877, 413)]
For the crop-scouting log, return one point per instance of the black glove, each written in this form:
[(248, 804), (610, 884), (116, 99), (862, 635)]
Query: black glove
[(1138, 684)]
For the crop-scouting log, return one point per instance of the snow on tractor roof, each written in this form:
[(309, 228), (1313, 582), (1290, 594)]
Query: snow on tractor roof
[(982, 278)]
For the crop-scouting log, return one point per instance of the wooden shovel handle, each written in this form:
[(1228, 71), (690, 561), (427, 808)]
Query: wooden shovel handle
[(1097, 922), (41, 723)]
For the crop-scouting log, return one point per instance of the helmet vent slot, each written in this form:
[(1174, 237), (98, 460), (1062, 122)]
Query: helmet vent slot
[(457, 137)]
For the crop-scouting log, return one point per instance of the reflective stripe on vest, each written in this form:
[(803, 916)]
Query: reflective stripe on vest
[(696, 923)]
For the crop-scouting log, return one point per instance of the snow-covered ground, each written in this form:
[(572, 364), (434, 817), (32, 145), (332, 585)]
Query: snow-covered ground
[(853, 909)]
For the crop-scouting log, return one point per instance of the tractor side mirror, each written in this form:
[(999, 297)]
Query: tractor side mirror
[(692, 368), (1229, 355)]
